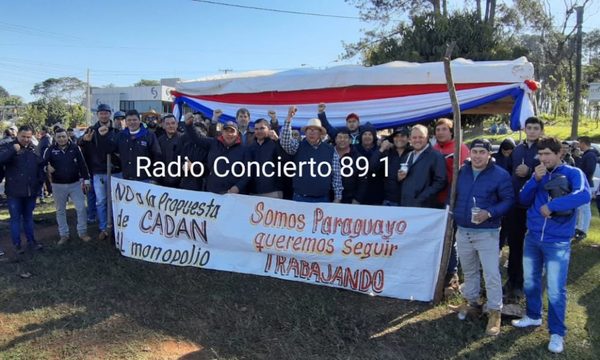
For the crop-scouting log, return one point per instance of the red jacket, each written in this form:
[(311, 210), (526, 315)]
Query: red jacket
[(447, 150)]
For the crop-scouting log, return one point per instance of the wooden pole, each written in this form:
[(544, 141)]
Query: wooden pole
[(109, 218), (439, 289)]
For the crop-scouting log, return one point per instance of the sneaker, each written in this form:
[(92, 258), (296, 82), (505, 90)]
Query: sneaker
[(526, 321), (103, 235), (63, 240), (556, 344), (91, 221), (579, 236), (494, 323), (85, 237), (1, 253), (38, 247)]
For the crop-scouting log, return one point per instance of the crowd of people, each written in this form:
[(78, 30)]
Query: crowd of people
[(534, 197)]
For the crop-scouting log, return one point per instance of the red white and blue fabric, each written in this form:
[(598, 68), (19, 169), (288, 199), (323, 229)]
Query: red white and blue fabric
[(386, 95)]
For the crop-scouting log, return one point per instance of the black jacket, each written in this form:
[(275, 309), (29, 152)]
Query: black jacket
[(392, 188), (349, 181), (426, 178), (169, 150), (370, 187), (68, 164), (95, 151), (195, 153), (269, 151), (24, 171), (217, 182), (588, 162), (131, 147)]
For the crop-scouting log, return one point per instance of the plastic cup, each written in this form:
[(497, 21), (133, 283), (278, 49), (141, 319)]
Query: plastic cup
[(404, 167), (474, 212)]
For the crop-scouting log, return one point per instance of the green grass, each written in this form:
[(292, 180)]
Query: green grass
[(85, 301), (560, 128)]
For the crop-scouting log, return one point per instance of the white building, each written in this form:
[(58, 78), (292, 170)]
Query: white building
[(142, 99)]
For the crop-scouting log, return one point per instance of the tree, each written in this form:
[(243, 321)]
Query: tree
[(11, 100), (3, 93), (426, 37), (35, 114), (70, 89), (487, 37), (144, 82)]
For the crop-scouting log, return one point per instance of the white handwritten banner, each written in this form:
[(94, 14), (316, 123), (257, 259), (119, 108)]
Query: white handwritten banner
[(386, 251)]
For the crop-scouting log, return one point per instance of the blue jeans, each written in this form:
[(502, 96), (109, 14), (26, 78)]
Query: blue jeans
[(21, 208), (310, 199), (101, 190), (91, 203), (554, 256)]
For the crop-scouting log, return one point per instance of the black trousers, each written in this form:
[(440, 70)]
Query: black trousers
[(516, 224)]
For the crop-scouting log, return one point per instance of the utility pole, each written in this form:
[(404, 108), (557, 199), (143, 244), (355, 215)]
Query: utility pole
[(88, 113), (577, 98)]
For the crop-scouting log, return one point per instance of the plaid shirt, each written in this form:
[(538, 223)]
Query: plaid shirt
[(290, 146)]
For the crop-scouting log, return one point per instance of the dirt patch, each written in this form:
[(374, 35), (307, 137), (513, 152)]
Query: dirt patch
[(173, 349)]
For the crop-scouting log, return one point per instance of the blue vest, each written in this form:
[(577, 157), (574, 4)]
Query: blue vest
[(305, 184)]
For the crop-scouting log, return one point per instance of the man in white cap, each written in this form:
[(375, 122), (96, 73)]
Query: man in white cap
[(312, 186)]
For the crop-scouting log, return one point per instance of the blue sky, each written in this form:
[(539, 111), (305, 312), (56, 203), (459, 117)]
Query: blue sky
[(122, 41)]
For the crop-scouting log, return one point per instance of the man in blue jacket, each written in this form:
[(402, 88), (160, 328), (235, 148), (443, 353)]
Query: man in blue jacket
[(24, 179), (136, 144), (552, 195), (483, 195)]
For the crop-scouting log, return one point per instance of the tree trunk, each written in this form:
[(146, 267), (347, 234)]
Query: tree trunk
[(487, 11), (445, 7), (492, 16), (478, 9), (436, 7)]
